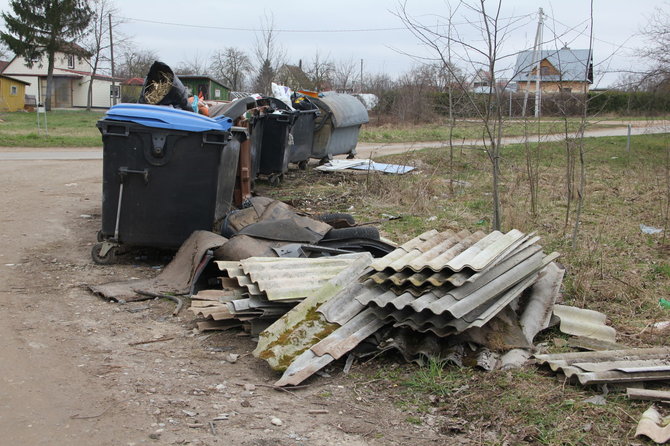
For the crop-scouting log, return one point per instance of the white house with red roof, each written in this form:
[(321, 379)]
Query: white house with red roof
[(72, 76)]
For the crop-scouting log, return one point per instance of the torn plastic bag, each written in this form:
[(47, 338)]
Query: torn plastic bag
[(163, 87)]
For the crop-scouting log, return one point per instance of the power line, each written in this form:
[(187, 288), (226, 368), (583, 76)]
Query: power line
[(227, 28)]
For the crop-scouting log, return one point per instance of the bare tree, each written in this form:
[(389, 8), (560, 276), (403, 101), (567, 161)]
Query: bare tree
[(98, 41), (135, 63), (344, 74), (321, 71), (232, 66), (195, 64), (268, 53), (657, 51), (481, 54)]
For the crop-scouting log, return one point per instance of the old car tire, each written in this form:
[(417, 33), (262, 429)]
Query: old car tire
[(357, 232)]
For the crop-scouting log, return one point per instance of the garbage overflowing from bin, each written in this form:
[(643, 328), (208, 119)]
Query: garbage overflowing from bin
[(173, 164)]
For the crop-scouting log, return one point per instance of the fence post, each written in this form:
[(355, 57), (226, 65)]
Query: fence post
[(628, 140)]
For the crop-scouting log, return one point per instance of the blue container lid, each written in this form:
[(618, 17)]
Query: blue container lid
[(167, 118)]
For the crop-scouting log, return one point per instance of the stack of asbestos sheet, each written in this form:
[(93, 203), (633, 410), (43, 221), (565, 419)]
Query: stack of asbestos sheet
[(445, 283)]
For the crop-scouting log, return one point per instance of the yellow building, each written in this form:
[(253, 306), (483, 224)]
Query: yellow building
[(12, 93)]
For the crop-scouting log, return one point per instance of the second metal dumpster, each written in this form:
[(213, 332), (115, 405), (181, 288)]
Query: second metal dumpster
[(336, 130), (269, 130), (166, 173), (301, 139)]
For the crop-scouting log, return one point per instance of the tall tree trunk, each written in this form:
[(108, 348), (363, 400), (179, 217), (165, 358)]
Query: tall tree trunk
[(50, 79), (89, 100)]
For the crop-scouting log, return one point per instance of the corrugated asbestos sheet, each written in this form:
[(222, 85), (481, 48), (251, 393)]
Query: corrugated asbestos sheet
[(259, 290), (302, 327), (612, 366), (457, 285), (584, 323), (480, 275), (284, 278)]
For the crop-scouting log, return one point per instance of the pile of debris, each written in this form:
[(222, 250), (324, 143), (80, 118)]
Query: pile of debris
[(257, 291), (446, 291)]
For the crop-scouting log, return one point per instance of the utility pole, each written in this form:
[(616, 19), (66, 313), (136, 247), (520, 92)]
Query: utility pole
[(111, 50), (537, 61), (360, 85), (538, 76)]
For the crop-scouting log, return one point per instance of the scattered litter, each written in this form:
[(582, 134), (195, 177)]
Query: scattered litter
[(597, 400), (189, 413), (276, 421), (221, 417), (71, 185), (661, 325), (384, 168), (664, 303), (366, 165), (231, 357), (86, 216), (653, 426), (650, 229)]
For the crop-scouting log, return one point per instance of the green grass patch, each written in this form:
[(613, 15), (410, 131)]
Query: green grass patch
[(66, 128), (466, 129)]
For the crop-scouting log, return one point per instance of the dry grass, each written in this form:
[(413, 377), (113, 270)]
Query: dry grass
[(614, 268)]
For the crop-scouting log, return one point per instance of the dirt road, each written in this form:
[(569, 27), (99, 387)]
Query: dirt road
[(68, 375)]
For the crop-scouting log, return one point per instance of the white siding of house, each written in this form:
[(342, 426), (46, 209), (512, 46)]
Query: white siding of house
[(18, 70), (100, 93)]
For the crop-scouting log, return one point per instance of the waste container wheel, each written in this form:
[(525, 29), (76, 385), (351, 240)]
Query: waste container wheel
[(107, 259), (302, 165), (275, 179), (100, 236)]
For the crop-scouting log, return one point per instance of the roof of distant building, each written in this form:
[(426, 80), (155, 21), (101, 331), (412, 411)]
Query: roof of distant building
[(573, 65)]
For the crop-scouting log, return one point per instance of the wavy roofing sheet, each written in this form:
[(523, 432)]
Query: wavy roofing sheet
[(303, 326), (281, 278), (449, 251), (330, 348), (584, 323), (612, 366), (462, 300)]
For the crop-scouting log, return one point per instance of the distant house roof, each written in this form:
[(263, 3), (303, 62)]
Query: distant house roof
[(133, 81), (572, 66), (15, 80), (3, 65), (74, 48), (87, 73), (293, 76)]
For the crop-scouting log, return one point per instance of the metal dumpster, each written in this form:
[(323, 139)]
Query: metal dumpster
[(301, 139), (336, 129), (166, 173), (269, 131)]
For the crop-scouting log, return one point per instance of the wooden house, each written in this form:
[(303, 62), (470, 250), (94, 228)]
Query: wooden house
[(561, 71), (12, 94), (211, 89)]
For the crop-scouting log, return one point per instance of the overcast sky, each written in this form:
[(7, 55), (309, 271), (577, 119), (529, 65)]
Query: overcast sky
[(334, 29)]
